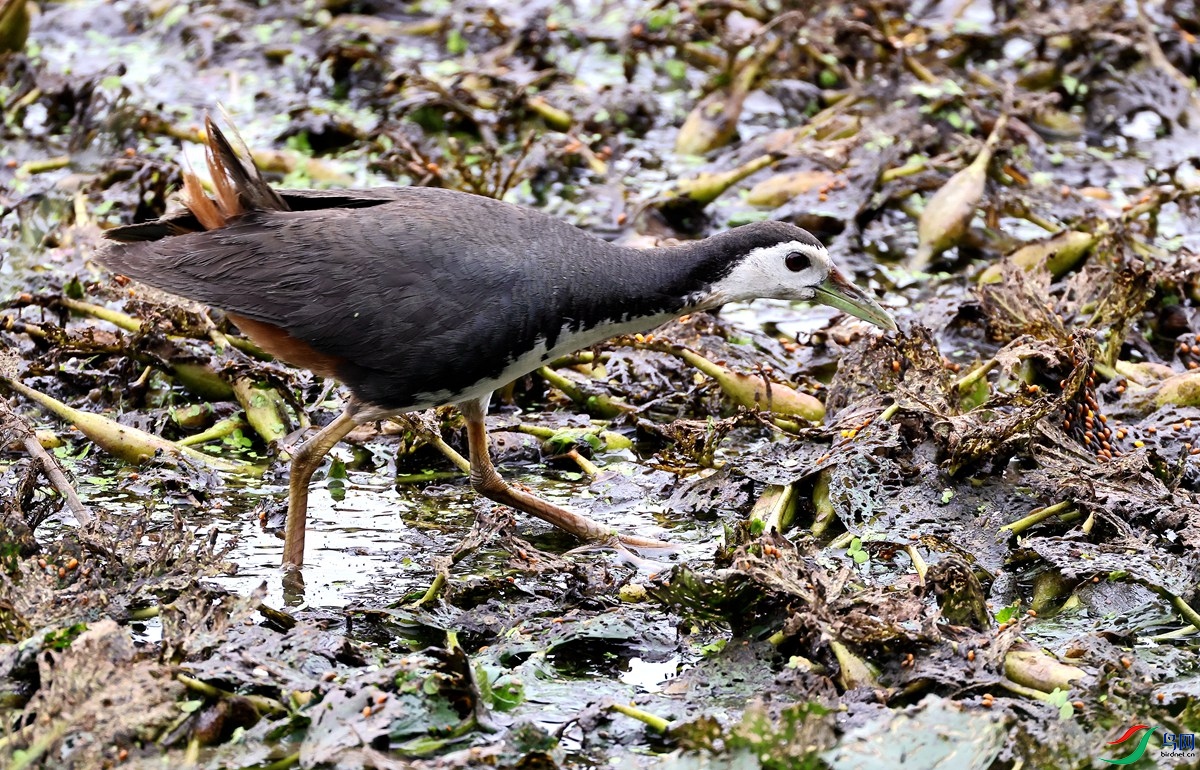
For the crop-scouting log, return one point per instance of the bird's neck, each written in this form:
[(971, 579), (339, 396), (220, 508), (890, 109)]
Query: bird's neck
[(690, 270), (600, 290)]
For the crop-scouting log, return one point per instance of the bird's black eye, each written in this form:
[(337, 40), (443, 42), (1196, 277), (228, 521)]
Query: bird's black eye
[(797, 262)]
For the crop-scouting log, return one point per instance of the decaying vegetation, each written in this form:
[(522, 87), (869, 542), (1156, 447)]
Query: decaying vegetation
[(977, 537)]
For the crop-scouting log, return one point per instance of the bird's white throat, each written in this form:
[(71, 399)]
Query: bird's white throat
[(762, 273)]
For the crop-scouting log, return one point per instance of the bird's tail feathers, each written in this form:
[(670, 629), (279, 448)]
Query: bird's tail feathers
[(238, 186)]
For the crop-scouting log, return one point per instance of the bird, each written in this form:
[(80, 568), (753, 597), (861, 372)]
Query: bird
[(418, 297)]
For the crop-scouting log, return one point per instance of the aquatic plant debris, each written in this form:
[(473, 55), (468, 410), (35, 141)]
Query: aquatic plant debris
[(972, 542)]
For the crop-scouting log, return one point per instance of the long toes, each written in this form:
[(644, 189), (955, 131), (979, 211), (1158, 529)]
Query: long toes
[(647, 543)]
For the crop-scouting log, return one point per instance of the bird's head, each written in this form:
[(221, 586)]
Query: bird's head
[(775, 260)]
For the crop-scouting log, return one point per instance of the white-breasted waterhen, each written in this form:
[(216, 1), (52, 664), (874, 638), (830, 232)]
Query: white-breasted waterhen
[(416, 297)]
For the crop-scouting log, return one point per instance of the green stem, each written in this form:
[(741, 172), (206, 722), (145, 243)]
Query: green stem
[(264, 704), (114, 317), (435, 440), (824, 513), (1024, 691), (199, 687), (602, 405), (655, 723), (969, 379), (1185, 609), (588, 467), (421, 478), (1179, 633), (43, 164), (918, 562), (460, 462), (1020, 525), (911, 166), (217, 432), (291, 760), (40, 746), (784, 511), (842, 541), (434, 590)]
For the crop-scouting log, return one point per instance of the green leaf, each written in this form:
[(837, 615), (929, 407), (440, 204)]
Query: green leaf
[(300, 142), (238, 440), (61, 639), (662, 18), (562, 442), (175, 15), (73, 288), (263, 33), (189, 706), (1005, 614), (746, 217), (508, 692), (857, 552)]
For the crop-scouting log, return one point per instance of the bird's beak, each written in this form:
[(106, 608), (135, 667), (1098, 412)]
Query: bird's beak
[(838, 292)]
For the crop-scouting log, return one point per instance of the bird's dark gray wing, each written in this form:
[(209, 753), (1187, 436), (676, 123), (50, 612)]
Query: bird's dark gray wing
[(183, 220), (347, 198), (412, 295)]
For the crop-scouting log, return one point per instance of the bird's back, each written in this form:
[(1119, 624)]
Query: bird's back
[(409, 295)]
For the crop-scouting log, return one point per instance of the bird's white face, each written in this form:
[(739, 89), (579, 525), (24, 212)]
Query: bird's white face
[(788, 270), (795, 270)]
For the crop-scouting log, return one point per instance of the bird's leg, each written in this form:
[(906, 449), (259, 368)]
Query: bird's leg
[(305, 460), (487, 482)]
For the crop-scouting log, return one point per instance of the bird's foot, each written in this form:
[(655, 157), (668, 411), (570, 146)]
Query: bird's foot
[(644, 543), (626, 547)]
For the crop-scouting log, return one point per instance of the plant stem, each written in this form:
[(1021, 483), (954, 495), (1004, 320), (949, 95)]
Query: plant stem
[(1041, 514)]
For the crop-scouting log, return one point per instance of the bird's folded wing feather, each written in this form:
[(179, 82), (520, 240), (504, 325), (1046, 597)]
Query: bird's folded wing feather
[(387, 287)]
